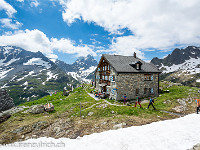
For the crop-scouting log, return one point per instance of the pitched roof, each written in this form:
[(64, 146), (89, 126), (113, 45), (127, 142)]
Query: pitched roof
[(122, 64)]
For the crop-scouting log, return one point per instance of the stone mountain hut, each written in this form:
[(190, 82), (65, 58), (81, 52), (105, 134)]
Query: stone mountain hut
[(118, 75)]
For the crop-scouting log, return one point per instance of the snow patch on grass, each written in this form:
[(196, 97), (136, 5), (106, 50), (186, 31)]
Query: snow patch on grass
[(174, 134)]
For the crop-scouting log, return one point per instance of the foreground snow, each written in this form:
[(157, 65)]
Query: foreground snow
[(177, 134)]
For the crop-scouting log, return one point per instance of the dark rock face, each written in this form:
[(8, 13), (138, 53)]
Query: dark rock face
[(36, 109), (6, 102), (4, 117), (178, 56)]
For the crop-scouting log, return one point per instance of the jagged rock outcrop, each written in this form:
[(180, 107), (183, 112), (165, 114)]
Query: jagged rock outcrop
[(178, 56), (196, 147), (181, 66), (36, 109), (6, 102), (4, 117)]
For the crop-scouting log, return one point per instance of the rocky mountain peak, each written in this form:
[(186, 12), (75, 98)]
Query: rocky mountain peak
[(178, 56), (181, 66), (80, 69)]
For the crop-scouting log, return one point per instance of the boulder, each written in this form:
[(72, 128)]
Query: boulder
[(36, 109), (57, 130), (15, 109), (196, 147), (90, 113), (118, 126), (49, 107), (4, 117), (65, 93), (6, 102), (40, 125)]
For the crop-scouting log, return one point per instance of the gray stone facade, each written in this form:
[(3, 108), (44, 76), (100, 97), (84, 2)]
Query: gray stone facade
[(127, 83), (118, 75), (6, 102)]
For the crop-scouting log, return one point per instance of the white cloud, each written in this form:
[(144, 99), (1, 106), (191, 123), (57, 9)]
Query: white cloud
[(32, 40), (35, 40), (125, 46), (52, 56), (8, 23), (34, 3), (68, 46), (156, 24), (20, 0), (7, 7)]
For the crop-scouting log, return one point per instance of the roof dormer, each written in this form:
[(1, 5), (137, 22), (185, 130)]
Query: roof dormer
[(137, 65)]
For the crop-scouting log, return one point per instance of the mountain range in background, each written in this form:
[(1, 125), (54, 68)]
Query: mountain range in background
[(181, 66), (27, 75), (82, 69)]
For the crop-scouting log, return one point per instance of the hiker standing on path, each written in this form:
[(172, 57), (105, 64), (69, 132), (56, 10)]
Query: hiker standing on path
[(198, 105), (137, 102), (151, 101), (125, 98)]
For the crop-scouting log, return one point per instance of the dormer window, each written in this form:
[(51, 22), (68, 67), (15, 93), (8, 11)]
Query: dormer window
[(136, 65)]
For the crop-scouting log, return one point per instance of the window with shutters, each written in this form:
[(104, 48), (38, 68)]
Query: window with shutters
[(112, 78), (97, 77), (137, 66), (148, 77), (106, 77), (151, 90)]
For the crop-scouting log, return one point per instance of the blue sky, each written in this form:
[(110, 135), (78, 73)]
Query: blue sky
[(67, 29)]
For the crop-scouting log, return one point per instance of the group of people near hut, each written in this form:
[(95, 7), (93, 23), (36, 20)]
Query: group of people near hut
[(151, 102), (138, 100)]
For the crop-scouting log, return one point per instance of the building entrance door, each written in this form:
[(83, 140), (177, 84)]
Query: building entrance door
[(104, 89)]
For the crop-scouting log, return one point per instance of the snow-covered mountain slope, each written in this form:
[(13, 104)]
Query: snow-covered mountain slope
[(176, 134), (29, 75), (183, 65), (14, 60), (180, 59), (80, 69), (83, 74)]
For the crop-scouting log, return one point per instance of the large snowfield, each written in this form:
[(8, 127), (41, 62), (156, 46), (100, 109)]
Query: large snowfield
[(177, 134)]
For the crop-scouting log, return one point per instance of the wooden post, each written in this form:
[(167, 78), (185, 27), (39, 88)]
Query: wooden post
[(80, 109)]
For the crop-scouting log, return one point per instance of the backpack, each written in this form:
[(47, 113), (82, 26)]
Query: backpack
[(151, 100)]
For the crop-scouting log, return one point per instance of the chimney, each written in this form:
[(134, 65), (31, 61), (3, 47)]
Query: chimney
[(134, 55)]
